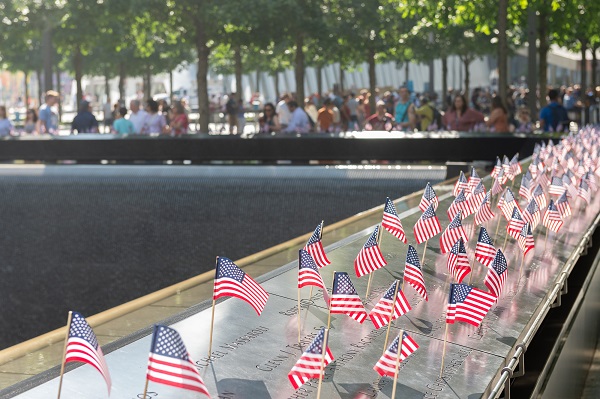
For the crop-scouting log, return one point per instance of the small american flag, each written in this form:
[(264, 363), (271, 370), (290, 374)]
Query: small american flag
[(230, 280), (552, 219), (476, 198), (502, 178), (515, 224), (539, 196), (413, 274), (460, 204), (584, 191), (370, 257), (308, 272), (525, 240), (531, 214), (496, 187), (572, 178), (525, 189), (345, 300), (391, 221), (429, 198), (556, 186), (496, 275), (380, 314), (497, 168), (515, 165), (542, 180), (82, 346), (461, 184), (386, 365), (484, 213), (562, 204), (506, 204), (571, 189), (474, 179), (169, 362), (458, 261), (508, 171), (311, 364), (485, 250), (468, 304), (428, 226), (453, 232), (591, 180), (314, 247)]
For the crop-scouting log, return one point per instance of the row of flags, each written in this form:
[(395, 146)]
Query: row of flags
[(573, 165)]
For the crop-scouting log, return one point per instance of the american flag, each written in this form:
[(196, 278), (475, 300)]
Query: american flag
[(502, 178), (380, 314), (485, 251), (496, 187), (508, 171), (515, 165), (507, 202), (525, 240), (497, 168), (458, 261), (453, 232), (552, 219), (484, 213), (474, 179), (496, 275), (314, 247), (562, 204), (413, 274), (571, 189), (542, 180), (531, 214), (584, 191), (429, 198), (386, 365), (460, 203), (311, 364), (591, 180), (82, 346), (572, 178), (391, 221), (308, 272), (525, 189), (468, 304), (515, 224), (539, 196), (230, 280), (169, 362), (556, 186), (370, 257), (461, 184), (345, 300), (476, 198), (427, 226)]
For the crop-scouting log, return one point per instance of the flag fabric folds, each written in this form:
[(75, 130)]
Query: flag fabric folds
[(539, 196), (428, 226), (515, 224), (310, 363), (468, 304), (562, 204), (314, 247), (458, 261), (169, 362), (496, 187), (453, 232), (552, 219), (460, 204), (525, 189), (345, 300), (476, 198), (531, 214), (308, 272), (507, 202), (461, 184), (370, 257), (413, 274), (380, 314), (474, 180), (584, 192), (485, 252), (525, 240), (484, 213), (496, 275), (230, 280), (386, 365), (82, 346), (429, 198), (391, 221), (556, 186)]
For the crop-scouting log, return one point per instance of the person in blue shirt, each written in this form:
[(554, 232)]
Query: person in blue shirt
[(84, 121), (553, 117), (47, 118), (299, 122), (404, 111), (122, 125)]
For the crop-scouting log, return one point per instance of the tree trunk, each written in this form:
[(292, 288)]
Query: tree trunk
[(432, 76), (444, 81), (122, 77), (341, 79), (277, 92), (532, 82), (584, 48), (201, 77), (58, 86), (237, 56), (319, 81), (502, 50), (543, 56), (406, 74), (372, 79), (47, 53), (594, 67), (258, 81), (299, 69), (467, 61), (26, 83), (78, 67), (171, 97), (40, 87), (148, 83), (107, 88)]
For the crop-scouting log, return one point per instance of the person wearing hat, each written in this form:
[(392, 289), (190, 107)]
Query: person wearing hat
[(47, 118), (380, 120), (84, 121)]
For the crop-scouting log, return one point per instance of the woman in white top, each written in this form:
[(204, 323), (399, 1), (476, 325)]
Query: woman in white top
[(6, 126), (154, 122)]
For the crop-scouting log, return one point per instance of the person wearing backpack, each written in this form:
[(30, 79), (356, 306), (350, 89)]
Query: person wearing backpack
[(427, 114), (553, 117), (231, 109)]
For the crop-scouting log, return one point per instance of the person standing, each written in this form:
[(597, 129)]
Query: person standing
[(155, 121), (498, 120), (179, 122), (84, 121), (460, 116), (31, 122), (405, 111), (6, 126), (299, 121), (553, 117), (325, 117), (137, 116), (122, 125), (283, 111), (48, 119), (231, 109)]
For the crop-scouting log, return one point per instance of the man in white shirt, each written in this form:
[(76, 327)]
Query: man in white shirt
[(137, 117), (299, 121), (283, 111)]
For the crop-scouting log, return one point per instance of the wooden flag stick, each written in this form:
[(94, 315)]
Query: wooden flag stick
[(424, 250), (498, 226), (329, 310), (522, 261), (369, 286), (400, 340), (299, 327), (505, 240), (444, 350), (145, 387), (472, 269), (387, 334), (322, 363), (212, 319), (62, 366)]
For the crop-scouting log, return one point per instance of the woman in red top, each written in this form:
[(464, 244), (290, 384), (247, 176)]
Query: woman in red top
[(498, 120), (460, 117), (180, 121)]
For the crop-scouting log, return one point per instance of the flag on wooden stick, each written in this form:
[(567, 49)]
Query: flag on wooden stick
[(314, 247), (345, 300), (485, 250), (468, 304), (386, 365), (496, 275), (391, 221), (428, 226), (370, 257), (312, 363), (458, 261), (230, 280), (453, 232), (429, 198), (413, 274), (380, 314)]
